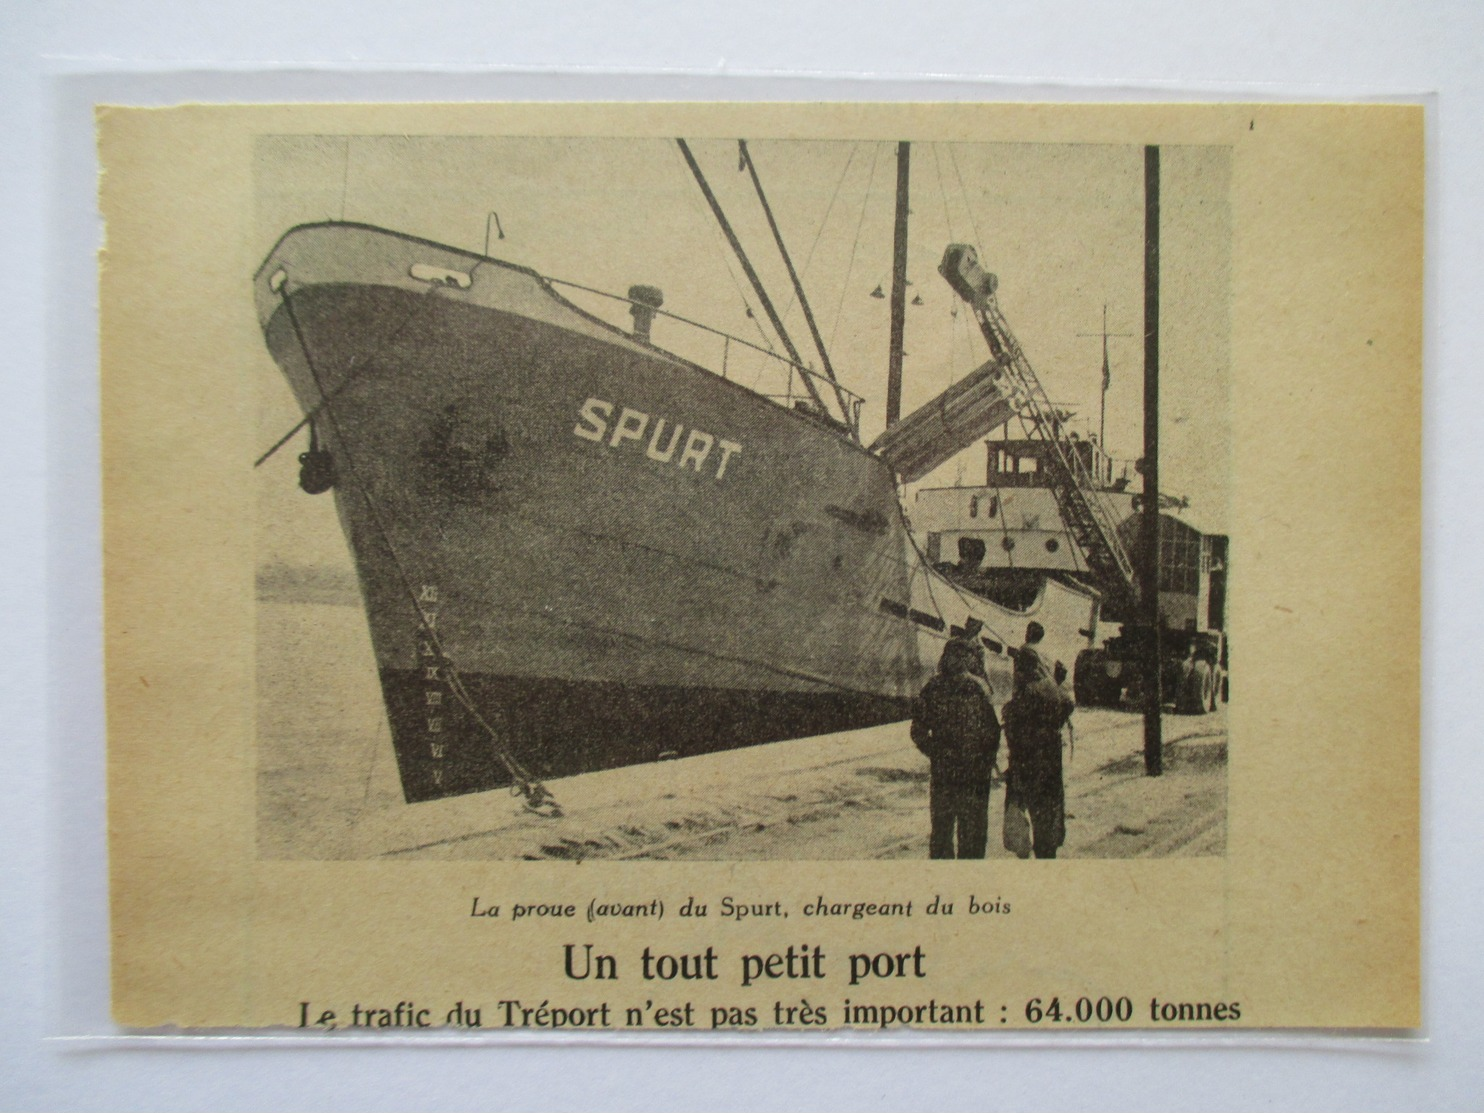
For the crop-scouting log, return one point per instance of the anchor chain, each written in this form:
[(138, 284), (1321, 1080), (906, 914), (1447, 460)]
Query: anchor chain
[(538, 798)]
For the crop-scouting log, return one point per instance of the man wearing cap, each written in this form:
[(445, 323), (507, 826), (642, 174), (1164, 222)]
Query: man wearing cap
[(968, 637), (1030, 664), (955, 726), (1033, 782)]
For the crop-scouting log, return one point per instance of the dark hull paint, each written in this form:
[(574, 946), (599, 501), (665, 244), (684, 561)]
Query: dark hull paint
[(601, 607), (559, 727)]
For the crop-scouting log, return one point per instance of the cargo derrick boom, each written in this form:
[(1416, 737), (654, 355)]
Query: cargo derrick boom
[(1089, 518)]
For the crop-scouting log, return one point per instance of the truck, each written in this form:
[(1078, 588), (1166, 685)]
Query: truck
[(1194, 667), (1195, 654)]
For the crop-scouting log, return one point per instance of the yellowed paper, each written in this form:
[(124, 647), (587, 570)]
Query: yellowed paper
[(576, 699)]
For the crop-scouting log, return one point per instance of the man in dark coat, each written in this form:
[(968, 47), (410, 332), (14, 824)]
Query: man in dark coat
[(967, 635), (1030, 664), (954, 724), (1033, 722)]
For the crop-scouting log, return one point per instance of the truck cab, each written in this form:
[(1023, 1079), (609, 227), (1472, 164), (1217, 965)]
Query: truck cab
[(1194, 651)]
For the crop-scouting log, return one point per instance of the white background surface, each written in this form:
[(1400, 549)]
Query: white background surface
[(52, 868)]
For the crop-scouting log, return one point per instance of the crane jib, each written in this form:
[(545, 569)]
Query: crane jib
[(1002, 389)]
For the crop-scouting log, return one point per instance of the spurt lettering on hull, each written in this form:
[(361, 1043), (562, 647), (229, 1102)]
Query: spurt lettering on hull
[(665, 443)]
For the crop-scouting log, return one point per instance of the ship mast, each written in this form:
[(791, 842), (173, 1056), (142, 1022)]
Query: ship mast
[(1107, 378), (752, 276), (898, 289), (798, 285)]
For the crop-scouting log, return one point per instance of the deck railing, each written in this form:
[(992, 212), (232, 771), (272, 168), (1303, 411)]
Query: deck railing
[(795, 389)]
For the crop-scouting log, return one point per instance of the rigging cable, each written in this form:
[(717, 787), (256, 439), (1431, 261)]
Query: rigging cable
[(953, 161), (1041, 423), (792, 298), (952, 351), (964, 597), (752, 276), (536, 794), (943, 194), (952, 238), (1072, 546), (355, 372), (726, 261), (865, 198), (798, 285)]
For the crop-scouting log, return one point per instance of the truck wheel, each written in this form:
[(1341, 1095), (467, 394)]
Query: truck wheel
[(1087, 679), (1195, 691)]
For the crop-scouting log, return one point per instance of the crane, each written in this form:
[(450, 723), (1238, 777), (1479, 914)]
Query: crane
[(1089, 516)]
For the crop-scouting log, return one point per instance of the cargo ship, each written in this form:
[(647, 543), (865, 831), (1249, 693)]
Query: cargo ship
[(578, 550)]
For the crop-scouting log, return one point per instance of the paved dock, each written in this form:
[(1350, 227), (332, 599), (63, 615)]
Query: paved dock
[(327, 789)]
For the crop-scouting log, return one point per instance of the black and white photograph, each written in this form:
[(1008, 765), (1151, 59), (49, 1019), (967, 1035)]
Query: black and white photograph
[(706, 569), (760, 556), (741, 498)]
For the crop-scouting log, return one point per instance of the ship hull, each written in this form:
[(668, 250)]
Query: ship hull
[(559, 726), (578, 551)]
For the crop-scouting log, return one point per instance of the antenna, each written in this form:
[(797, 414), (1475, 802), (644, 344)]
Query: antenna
[(1107, 376), (493, 220)]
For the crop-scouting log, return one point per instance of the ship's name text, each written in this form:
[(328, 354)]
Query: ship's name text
[(666, 443)]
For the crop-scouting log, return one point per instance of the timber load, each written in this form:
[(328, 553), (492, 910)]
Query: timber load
[(931, 435)]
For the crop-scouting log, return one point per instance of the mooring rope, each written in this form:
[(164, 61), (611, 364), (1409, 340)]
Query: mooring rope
[(536, 794)]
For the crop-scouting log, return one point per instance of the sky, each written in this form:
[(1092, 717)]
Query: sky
[(1061, 225)]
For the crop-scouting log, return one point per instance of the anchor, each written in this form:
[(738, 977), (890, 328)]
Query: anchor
[(316, 467)]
